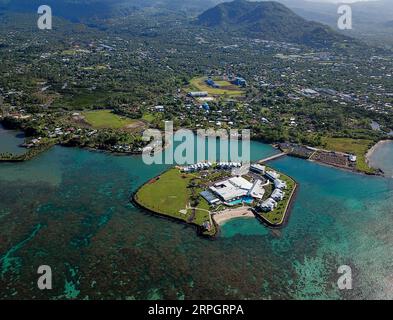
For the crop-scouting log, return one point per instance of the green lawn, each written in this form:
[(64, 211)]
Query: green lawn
[(198, 84), (169, 194), (106, 119), (359, 147)]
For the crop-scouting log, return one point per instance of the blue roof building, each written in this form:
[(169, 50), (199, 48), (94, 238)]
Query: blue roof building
[(239, 81), (210, 82)]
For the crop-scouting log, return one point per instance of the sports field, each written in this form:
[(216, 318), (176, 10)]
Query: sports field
[(106, 119), (226, 88)]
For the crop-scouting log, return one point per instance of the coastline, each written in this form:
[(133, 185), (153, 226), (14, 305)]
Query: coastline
[(229, 214), (134, 201), (288, 210), (374, 148)]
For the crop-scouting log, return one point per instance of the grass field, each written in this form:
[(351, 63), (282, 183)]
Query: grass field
[(353, 146), (169, 195), (198, 84), (106, 119)]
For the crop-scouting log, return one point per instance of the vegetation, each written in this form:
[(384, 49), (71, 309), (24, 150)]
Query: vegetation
[(145, 60), (176, 195), (106, 119), (352, 146), (270, 20)]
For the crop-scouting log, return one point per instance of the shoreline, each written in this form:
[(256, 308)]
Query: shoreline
[(229, 214), (287, 214), (134, 201), (374, 148)]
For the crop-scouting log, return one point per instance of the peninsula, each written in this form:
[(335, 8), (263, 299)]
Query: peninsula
[(207, 195)]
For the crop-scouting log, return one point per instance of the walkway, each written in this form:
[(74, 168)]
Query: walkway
[(276, 156)]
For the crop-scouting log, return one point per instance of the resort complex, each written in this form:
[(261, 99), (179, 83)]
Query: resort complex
[(207, 194)]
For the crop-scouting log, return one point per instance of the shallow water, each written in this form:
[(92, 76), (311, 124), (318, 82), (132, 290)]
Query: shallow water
[(10, 141), (383, 158), (76, 217)]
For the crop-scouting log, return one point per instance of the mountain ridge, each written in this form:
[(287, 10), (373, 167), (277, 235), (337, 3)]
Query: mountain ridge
[(270, 20)]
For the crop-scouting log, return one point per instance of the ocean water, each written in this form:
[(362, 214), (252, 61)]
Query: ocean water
[(76, 217)]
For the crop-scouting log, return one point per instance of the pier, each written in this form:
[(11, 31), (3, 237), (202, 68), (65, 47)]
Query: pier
[(276, 156)]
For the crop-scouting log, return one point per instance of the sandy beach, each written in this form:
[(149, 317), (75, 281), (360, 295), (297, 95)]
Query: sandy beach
[(223, 216), (372, 150)]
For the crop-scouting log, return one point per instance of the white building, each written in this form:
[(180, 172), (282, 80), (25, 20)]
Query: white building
[(198, 94), (272, 175), (257, 191), (258, 168), (279, 184), (159, 108), (278, 195), (232, 189), (268, 205)]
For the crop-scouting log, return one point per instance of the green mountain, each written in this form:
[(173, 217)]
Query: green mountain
[(268, 20)]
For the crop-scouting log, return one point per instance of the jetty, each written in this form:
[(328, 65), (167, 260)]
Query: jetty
[(276, 156)]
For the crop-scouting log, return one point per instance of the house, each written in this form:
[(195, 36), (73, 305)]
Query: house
[(352, 158), (268, 205), (159, 108), (206, 106), (278, 195), (279, 184)]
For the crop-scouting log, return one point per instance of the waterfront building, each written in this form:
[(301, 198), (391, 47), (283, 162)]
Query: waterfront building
[(278, 195), (258, 168), (268, 205), (272, 175), (279, 184)]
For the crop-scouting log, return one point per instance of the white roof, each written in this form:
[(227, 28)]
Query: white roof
[(269, 203), (232, 188), (277, 194), (257, 191), (240, 182), (227, 191), (280, 184)]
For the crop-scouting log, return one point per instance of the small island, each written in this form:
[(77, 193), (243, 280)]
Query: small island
[(206, 195)]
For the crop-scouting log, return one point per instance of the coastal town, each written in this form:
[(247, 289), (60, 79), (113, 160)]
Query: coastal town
[(196, 150)]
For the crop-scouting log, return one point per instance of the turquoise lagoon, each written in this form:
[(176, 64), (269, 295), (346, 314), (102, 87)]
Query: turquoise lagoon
[(70, 209)]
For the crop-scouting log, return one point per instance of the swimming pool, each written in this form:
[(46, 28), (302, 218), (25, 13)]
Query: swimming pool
[(247, 200)]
